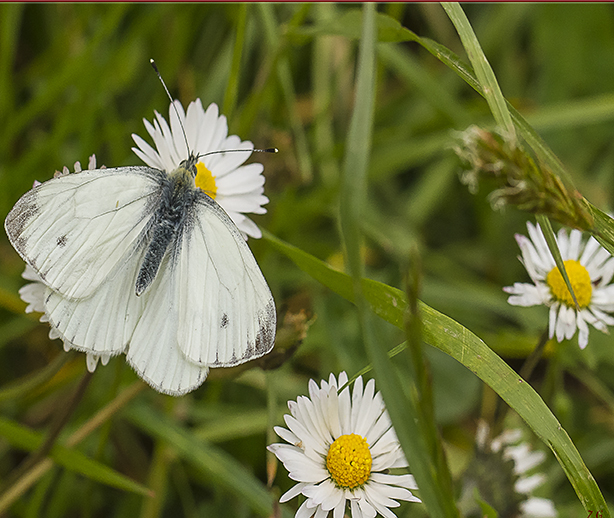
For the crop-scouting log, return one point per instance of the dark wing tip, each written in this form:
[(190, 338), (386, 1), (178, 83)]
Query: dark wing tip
[(266, 334)]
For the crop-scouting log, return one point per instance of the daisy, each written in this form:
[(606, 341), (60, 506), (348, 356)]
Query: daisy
[(503, 472), (589, 268), (33, 293), (340, 450), (237, 188)]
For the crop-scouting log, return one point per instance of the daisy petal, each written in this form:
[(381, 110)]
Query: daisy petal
[(538, 508), (292, 492), (238, 188), (326, 478)]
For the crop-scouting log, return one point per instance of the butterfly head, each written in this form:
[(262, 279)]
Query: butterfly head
[(202, 178), (190, 164)]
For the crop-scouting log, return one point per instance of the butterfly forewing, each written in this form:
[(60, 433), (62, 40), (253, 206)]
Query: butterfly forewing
[(226, 310), (75, 229)]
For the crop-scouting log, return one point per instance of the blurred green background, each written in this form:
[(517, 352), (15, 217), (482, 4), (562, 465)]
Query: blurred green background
[(76, 80)]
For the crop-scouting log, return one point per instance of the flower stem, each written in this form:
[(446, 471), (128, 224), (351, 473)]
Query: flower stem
[(525, 373), (531, 362)]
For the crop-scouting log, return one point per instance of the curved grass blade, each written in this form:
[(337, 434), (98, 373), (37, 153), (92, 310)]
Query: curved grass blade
[(232, 88), (498, 106), (546, 227), (26, 384)]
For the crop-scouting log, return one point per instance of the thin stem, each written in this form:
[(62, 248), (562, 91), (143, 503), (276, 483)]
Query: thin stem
[(105, 413), (595, 385), (532, 360), (25, 481), (27, 384), (525, 373)]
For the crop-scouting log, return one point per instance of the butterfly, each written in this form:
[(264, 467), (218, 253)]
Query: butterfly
[(140, 261)]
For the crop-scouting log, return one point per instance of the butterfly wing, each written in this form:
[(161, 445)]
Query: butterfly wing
[(105, 321), (154, 352), (225, 309), (114, 320), (75, 229), (209, 305)]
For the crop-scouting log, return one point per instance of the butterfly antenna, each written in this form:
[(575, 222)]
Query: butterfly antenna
[(155, 67), (267, 150)]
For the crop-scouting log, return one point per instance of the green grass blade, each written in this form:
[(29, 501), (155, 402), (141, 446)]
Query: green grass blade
[(401, 397), (232, 426), (286, 83), (232, 88), (322, 77), (404, 63), (390, 30), (24, 438), (10, 20), (452, 338), (574, 113), (215, 464), (25, 385), (358, 149), (604, 228), (534, 140), (546, 227), (483, 70)]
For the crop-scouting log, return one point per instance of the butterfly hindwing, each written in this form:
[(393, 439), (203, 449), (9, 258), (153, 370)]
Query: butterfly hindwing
[(114, 320), (105, 321), (154, 352)]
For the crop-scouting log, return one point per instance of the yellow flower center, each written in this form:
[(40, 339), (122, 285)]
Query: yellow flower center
[(205, 180), (349, 461), (580, 282)]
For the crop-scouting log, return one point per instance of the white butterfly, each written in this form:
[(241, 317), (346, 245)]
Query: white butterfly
[(139, 261)]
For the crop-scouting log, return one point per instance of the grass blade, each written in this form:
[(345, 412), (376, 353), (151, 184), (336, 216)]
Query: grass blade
[(402, 399), (483, 70), (218, 466), (24, 438)]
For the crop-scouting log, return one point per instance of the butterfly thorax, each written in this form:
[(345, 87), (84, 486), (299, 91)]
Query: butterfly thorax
[(177, 196)]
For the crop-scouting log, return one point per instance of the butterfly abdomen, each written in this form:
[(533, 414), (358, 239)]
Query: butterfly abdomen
[(176, 201)]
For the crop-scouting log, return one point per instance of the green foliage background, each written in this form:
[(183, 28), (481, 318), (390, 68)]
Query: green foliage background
[(75, 80)]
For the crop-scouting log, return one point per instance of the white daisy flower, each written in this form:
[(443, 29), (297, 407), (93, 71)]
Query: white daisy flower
[(340, 450), (589, 268), (501, 472), (237, 188), (34, 293)]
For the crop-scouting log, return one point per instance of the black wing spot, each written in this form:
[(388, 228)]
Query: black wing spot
[(224, 322), (62, 241)]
